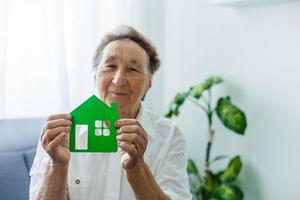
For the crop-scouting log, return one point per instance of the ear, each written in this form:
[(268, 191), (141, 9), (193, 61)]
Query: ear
[(149, 85)]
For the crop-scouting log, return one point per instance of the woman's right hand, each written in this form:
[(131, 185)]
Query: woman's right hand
[(55, 138)]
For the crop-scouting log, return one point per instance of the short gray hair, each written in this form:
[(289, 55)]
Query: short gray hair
[(128, 33)]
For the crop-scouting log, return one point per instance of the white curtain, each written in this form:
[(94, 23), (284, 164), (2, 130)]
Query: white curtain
[(46, 50)]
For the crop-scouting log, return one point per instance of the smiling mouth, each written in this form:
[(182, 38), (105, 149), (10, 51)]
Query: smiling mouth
[(118, 94)]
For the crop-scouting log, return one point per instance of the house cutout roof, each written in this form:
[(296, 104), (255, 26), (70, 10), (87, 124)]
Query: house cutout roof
[(93, 127)]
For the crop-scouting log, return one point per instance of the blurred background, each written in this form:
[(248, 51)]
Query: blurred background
[(46, 50)]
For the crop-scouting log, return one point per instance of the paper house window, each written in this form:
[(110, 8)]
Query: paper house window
[(102, 128)]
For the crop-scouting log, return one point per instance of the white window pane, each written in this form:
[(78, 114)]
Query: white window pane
[(106, 132), (98, 123), (98, 132), (81, 137)]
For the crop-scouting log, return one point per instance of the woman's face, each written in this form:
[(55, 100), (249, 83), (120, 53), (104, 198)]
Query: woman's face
[(123, 76)]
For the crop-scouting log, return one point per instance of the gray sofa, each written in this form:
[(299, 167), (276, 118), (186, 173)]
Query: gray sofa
[(18, 142)]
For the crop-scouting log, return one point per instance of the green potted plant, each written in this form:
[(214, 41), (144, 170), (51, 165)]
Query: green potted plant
[(210, 185)]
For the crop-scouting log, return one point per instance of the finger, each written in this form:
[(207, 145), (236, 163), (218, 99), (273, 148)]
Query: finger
[(48, 135), (66, 141), (128, 148), (131, 138), (59, 116), (54, 143), (122, 122), (129, 129), (132, 129), (56, 123)]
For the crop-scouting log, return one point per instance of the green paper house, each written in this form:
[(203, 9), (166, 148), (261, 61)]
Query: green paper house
[(93, 127)]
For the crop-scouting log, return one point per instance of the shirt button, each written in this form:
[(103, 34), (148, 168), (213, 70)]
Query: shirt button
[(77, 181)]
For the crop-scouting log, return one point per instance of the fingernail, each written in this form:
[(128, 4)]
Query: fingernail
[(117, 123), (118, 131), (118, 137)]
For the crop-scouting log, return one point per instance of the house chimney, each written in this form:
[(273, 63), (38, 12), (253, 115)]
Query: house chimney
[(114, 110)]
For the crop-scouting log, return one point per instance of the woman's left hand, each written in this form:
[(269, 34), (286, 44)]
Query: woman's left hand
[(132, 139)]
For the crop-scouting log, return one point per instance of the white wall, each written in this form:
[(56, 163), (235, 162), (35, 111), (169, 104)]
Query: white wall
[(256, 50)]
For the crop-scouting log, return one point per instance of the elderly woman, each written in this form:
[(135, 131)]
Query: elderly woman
[(150, 163)]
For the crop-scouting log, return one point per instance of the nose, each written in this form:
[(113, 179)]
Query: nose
[(119, 77)]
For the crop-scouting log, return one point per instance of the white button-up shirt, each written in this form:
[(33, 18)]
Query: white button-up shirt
[(101, 176)]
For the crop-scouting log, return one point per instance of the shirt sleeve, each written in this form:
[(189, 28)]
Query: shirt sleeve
[(37, 171), (172, 175)]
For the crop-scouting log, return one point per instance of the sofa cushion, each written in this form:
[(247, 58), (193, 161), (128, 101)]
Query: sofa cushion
[(14, 178), (19, 134)]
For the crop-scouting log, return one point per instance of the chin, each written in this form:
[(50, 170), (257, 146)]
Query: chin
[(124, 113)]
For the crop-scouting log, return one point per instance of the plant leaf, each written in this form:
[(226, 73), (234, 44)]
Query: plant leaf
[(195, 184), (195, 197), (197, 90), (169, 113), (228, 192), (194, 178), (231, 116), (211, 182), (232, 171), (179, 98), (176, 103), (191, 167), (218, 158), (214, 80)]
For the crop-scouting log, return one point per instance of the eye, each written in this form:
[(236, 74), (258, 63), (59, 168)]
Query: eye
[(110, 66), (133, 69)]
